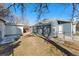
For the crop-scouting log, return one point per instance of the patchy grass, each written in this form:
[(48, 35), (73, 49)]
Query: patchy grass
[(2, 47), (55, 37), (77, 33)]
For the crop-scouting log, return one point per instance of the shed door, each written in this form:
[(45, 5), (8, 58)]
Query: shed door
[(67, 29), (60, 29), (54, 31)]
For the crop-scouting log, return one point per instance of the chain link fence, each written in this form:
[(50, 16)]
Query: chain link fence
[(48, 30)]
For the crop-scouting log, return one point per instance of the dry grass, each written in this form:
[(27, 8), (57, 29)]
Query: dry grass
[(71, 46), (77, 33), (34, 46)]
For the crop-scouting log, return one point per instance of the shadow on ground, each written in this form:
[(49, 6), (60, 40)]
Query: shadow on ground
[(29, 35), (8, 49)]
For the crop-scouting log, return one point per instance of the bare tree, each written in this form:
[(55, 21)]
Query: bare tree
[(39, 9)]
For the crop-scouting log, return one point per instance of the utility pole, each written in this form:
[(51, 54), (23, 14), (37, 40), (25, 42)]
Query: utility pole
[(72, 19)]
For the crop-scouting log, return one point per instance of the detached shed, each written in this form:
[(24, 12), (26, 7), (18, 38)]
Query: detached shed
[(54, 27)]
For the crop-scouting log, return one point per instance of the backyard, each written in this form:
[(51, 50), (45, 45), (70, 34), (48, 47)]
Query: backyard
[(34, 46)]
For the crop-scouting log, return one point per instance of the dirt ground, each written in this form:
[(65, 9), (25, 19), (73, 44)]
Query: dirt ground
[(32, 45), (69, 44)]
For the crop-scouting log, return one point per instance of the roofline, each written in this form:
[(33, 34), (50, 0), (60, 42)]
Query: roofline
[(54, 19), (13, 24)]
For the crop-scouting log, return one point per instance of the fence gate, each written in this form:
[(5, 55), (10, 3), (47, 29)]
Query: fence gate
[(47, 30)]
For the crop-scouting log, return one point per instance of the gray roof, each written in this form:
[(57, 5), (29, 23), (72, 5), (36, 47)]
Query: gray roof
[(46, 21)]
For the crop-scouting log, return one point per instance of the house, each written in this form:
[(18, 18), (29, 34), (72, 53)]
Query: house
[(77, 26), (9, 31), (54, 27), (20, 28), (14, 29)]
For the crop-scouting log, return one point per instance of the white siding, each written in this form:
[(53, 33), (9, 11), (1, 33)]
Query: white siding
[(60, 29), (10, 30), (20, 29), (2, 27), (14, 30), (74, 29)]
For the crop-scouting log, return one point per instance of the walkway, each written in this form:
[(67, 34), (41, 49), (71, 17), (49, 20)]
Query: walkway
[(34, 46)]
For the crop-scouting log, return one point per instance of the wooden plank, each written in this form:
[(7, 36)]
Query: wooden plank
[(71, 47), (61, 48)]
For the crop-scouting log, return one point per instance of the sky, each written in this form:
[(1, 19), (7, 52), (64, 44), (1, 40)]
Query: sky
[(55, 11)]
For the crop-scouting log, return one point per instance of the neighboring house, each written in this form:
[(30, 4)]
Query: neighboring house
[(54, 27), (20, 29), (9, 31), (77, 26), (14, 29)]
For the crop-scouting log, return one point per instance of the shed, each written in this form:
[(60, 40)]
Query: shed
[(54, 27)]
